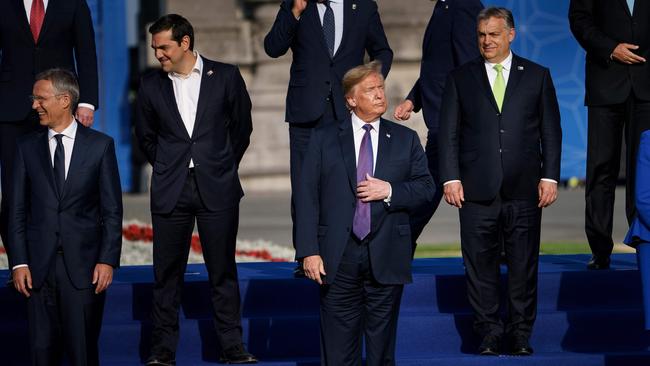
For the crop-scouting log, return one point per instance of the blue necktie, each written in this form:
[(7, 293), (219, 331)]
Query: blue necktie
[(361, 221), (59, 164), (630, 4), (328, 27)]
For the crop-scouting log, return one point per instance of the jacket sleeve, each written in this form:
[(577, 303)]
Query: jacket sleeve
[(584, 28), (86, 55), (146, 124), (280, 37), (377, 43), (240, 125), (17, 245), (551, 130), (110, 196), (419, 188), (448, 133), (308, 200)]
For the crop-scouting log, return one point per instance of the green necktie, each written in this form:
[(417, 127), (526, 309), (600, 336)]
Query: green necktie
[(499, 87)]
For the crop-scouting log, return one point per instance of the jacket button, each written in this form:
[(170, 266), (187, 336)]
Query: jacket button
[(502, 131)]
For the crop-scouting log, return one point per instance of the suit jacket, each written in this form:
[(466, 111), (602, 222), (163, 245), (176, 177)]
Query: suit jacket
[(600, 25), (449, 41), (639, 231), (220, 137), (327, 198), (86, 221), (313, 72), (491, 151), (67, 36)]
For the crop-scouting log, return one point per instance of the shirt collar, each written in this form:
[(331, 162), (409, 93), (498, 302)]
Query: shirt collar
[(70, 131), (505, 63), (197, 69), (358, 123)]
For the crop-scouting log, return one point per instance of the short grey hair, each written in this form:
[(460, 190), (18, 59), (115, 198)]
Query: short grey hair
[(64, 82), (497, 12)]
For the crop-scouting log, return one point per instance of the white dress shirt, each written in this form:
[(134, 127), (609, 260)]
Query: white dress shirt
[(186, 92), (69, 135), (28, 12), (358, 132), (337, 8), (492, 75)]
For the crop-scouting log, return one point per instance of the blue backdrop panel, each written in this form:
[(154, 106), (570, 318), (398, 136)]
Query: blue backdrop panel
[(112, 118), (543, 36)]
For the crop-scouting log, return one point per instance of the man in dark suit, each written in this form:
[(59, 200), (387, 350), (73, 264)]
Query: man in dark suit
[(616, 36), (193, 124), (359, 181), (327, 38), (449, 41), (66, 225), (500, 143), (37, 35)]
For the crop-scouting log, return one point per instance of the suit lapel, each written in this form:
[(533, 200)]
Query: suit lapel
[(21, 18), (170, 101), (478, 70), (627, 8), (516, 72), (346, 141), (383, 154), (49, 14), (78, 157), (311, 15), (207, 84), (349, 15), (46, 159)]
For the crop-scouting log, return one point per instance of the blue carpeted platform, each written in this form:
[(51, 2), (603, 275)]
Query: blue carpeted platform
[(585, 317)]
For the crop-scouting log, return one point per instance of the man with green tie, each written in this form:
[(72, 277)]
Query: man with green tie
[(500, 141)]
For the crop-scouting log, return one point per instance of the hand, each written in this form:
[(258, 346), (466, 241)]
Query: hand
[(622, 53), (372, 189), (298, 7), (547, 193), (22, 280), (85, 116), (314, 268), (102, 277), (403, 110), (454, 194)]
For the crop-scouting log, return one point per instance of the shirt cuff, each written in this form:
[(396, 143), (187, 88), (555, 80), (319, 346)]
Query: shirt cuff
[(390, 194), (451, 181), (18, 266), (86, 105), (549, 180)]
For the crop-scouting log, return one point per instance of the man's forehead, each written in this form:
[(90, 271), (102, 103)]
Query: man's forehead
[(492, 23)]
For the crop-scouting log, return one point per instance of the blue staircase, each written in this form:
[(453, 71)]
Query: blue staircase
[(584, 317)]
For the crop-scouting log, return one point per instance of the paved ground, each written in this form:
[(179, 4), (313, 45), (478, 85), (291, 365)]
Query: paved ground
[(267, 216)]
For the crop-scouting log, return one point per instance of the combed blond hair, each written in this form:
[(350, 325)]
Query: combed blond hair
[(356, 75)]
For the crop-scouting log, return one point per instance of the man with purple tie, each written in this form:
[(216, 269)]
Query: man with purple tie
[(353, 234)]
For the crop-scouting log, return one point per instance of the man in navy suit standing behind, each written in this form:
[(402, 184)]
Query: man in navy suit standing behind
[(66, 225), (362, 177), (37, 35), (327, 38), (449, 41)]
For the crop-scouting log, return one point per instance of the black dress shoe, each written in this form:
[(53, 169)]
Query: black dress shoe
[(519, 346), (490, 345), (596, 263), (153, 361), (237, 355)]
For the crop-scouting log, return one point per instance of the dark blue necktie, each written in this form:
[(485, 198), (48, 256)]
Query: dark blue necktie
[(59, 164), (361, 221), (328, 27)]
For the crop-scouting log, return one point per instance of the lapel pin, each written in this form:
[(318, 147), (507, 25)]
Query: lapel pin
[(388, 135), (520, 68), (354, 6), (210, 73)]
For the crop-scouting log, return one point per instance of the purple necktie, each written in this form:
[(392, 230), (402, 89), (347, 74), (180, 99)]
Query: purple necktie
[(361, 222)]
